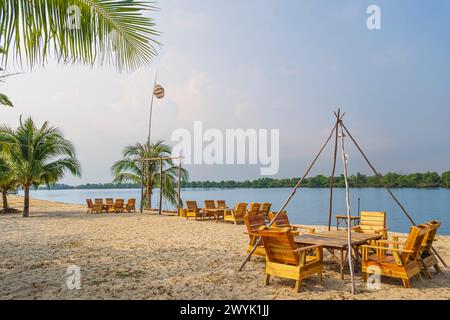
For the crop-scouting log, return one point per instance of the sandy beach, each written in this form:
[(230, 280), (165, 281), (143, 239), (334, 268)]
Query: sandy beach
[(143, 256)]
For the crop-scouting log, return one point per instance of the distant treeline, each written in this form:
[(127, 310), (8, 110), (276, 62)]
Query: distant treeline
[(392, 180)]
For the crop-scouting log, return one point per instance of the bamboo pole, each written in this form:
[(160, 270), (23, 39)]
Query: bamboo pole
[(160, 184), (288, 198), (388, 189), (347, 203), (333, 171)]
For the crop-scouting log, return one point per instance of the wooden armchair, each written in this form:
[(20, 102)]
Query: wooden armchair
[(221, 204), (131, 205), (193, 211), (372, 222), (253, 224), (393, 261), (209, 210), (237, 214), (285, 260), (282, 221), (254, 208), (90, 205), (98, 202), (265, 209), (119, 206)]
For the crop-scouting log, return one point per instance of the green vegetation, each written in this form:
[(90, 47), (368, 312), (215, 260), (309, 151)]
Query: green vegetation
[(34, 156), (129, 169), (392, 180)]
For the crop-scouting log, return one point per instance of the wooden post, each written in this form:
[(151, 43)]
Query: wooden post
[(347, 202), (333, 171), (160, 184), (179, 187), (294, 190), (142, 186), (387, 188)]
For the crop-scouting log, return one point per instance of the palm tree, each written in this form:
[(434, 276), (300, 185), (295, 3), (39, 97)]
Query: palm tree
[(129, 169), (7, 180), (37, 156), (114, 32)]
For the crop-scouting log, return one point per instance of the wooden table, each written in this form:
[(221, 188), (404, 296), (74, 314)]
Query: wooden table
[(216, 212), (337, 240)]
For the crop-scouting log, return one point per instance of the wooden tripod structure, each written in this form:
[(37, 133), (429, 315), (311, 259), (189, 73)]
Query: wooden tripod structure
[(160, 160), (338, 126)]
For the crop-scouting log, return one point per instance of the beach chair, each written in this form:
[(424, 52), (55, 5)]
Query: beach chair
[(109, 203), (131, 205), (372, 222), (427, 258), (282, 221), (395, 259), (253, 224), (265, 209), (254, 208), (237, 214), (285, 260), (118, 206), (99, 202), (221, 204), (90, 205), (209, 210), (193, 211), (98, 207)]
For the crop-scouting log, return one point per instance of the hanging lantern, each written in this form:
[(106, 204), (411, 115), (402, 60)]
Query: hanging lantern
[(158, 91)]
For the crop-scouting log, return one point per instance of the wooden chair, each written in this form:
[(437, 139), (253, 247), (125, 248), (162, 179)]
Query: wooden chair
[(254, 208), (265, 209), (193, 211), (90, 205), (237, 214), (253, 224), (282, 221), (285, 260), (391, 261), (131, 205), (99, 202), (98, 207), (427, 258), (118, 206), (221, 204), (209, 210), (372, 222)]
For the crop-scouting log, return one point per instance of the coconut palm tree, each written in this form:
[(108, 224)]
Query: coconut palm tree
[(114, 32), (129, 169), (37, 156), (7, 180)]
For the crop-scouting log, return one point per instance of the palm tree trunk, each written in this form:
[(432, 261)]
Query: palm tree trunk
[(5, 201), (26, 201)]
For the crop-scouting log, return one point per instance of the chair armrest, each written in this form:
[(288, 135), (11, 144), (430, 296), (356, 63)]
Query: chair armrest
[(356, 228), (391, 242), (308, 248), (296, 226), (385, 248)]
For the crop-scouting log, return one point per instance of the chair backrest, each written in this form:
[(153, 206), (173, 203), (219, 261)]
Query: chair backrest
[(279, 246), (221, 204), (254, 222), (282, 221), (109, 201), (265, 209), (414, 242), (209, 204), (89, 203), (254, 208), (192, 205), (131, 202), (119, 202), (428, 240), (98, 201), (241, 209), (372, 221)]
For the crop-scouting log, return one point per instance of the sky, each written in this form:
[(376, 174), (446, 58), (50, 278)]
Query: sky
[(261, 64)]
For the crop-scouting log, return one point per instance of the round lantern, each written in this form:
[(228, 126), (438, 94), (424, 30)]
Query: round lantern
[(158, 91)]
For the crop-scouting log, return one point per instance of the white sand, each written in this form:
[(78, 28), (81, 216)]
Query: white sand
[(142, 256)]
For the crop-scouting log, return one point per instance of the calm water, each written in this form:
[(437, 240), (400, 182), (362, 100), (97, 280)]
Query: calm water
[(309, 206)]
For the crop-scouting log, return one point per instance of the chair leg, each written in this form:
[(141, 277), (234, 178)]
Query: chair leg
[(267, 279), (437, 268), (298, 285), (365, 276), (319, 274), (406, 283)]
